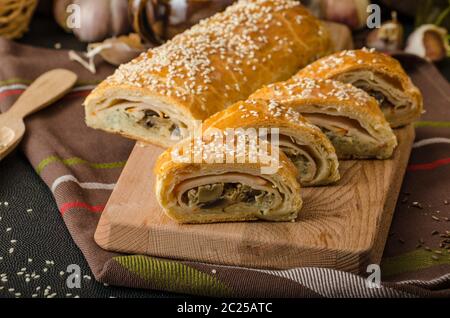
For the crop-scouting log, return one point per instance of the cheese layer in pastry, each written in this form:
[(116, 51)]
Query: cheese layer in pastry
[(205, 192), (164, 93), (348, 116), (379, 75), (303, 143)]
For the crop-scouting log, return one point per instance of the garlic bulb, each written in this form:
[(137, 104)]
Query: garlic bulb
[(388, 38), (353, 13), (158, 21), (430, 42), (99, 19)]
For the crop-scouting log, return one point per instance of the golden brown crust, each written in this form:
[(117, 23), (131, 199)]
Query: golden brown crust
[(164, 164), (170, 173), (224, 58), (268, 114), (336, 65), (299, 91), (307, 95)]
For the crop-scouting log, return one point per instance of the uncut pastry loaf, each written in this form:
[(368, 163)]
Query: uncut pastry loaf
[(161, 96)]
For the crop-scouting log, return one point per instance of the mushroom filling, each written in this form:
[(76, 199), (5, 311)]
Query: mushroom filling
[(346, 134), (224, 195), (387, 106), (306, 167), (150, 119)]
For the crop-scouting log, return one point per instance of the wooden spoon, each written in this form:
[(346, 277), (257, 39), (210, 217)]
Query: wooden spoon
[(45, 90)]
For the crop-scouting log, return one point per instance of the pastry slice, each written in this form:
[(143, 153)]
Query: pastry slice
[(379, 75), (348, 116), (303, 143), (201, 191)]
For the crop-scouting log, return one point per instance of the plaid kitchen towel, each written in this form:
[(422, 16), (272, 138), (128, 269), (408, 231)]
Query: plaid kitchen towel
[(81, 165)]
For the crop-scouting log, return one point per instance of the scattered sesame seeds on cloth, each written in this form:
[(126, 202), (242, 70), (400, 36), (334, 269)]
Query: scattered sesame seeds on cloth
[(80, 164)]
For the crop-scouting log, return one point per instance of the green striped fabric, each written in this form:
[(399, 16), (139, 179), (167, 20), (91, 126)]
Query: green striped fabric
[(77, 161), (174, 276)]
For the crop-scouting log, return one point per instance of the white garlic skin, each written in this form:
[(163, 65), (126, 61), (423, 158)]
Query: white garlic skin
[(416, 43)]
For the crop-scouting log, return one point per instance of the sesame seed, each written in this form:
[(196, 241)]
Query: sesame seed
[(184, 66)]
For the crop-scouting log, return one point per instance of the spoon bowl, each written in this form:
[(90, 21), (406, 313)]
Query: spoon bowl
[(10, 135), (45, 90)]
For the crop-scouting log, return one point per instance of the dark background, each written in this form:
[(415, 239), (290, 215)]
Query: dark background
[(41, 234)]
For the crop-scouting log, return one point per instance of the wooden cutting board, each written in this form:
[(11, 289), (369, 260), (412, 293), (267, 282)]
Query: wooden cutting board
[(344, 226)]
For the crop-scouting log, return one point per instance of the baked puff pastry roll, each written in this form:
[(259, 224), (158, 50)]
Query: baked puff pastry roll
[(303, 143), (161, 96), (206, 191), (379, 75), (348, 116)]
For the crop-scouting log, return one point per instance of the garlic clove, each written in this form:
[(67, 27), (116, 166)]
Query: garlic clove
[(94, 20), (118, 50), (60, 13), (389, 37), (119, 18), (430, 42), (353, 13)]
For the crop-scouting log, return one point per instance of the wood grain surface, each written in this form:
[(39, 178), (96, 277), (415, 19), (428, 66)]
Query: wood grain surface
[(344, 226)]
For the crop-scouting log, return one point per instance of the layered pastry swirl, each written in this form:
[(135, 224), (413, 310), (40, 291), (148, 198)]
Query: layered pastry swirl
[(379, 75), (348, 116), (202, 192), (303, 143)]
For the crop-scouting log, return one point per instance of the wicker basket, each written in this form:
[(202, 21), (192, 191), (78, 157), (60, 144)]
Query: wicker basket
[(15, 16)]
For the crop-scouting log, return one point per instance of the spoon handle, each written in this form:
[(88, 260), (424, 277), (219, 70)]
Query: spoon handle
[(45, 90)]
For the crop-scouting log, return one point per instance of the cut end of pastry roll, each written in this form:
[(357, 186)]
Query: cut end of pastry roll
[(303, 143), (348, 116), (207, 192), (158, 96), (380, 75), (139, 114)]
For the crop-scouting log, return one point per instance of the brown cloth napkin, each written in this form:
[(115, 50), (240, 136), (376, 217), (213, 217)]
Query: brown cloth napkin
[(81, 165)]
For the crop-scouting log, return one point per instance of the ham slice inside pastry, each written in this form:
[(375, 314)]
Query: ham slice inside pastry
[(396, 105), (350, 139), (303, 157), (228, 192), (144, 117)]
